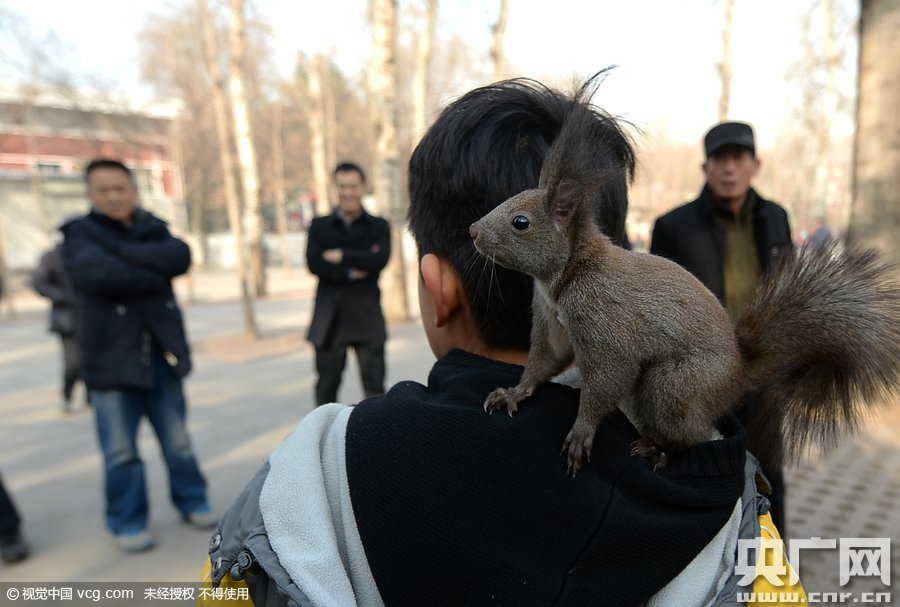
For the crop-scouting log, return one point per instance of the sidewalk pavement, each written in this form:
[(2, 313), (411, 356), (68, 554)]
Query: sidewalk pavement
[(245, 396)]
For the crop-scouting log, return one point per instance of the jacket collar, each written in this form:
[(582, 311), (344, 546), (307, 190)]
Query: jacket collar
[(708, 206), (140, 216), (144, 223), (338, 218)]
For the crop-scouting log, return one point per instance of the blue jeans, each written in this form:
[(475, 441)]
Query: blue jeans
[(118, 414)]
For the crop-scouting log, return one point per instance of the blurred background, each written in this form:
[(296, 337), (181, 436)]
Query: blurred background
[(232, 113)]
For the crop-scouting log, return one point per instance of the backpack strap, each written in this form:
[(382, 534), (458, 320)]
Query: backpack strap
[(754, 504)]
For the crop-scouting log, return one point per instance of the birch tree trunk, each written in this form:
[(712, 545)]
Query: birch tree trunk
[(6, 292), (243, 135), (498, 53), (329, 107), (829, 111), (315, 116), (211, 54), (725, 66), (423, 63), (278, 180), (875, 215), (382, 84), (194, 224)]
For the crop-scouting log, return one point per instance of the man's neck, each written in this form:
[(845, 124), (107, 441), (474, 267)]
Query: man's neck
[(511, 356), (735, 205), (350, 217), (461, 334), (127, 222)]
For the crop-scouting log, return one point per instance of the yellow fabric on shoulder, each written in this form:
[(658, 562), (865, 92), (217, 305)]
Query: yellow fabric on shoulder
[(772, 565), (229, 593)]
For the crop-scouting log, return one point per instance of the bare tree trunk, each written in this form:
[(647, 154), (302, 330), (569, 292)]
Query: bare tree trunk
[(315, 116), (243, 135), (383, 111), (725, 66), (329, 107), (875, 215), (498, 53), (423, 64), (829, 111), (195, 220), (278, 180), (5, 284), (35, 178), (211, 53)]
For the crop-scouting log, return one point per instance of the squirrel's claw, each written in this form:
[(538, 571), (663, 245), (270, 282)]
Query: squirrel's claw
[(647, 447), (578, 446), (508, 398)]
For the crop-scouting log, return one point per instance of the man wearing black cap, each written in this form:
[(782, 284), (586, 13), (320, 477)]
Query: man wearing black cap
[(729, 235)]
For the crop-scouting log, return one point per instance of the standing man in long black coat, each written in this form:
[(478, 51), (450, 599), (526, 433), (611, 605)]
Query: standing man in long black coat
[(134, 351), (347, 251)]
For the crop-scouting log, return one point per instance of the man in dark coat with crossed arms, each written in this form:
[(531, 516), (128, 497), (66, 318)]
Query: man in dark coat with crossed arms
[(347, 250)]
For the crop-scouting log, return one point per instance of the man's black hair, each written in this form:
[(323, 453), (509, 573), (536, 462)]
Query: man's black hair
[(106, 163), (346, 167), (483, 148)]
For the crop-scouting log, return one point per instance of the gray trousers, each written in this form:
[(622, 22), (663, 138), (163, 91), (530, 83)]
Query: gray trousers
[(71, 365)]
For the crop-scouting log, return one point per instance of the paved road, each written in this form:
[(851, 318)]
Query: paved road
[(245, 396)]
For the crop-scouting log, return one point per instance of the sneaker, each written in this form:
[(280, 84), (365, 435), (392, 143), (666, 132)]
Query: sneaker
[(136, 541), (202, 518), (13, 547)]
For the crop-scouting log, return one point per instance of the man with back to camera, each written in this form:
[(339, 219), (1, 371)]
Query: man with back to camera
[(347, 250), (50, 280), (729, 236), (121, 260), (418, 497)]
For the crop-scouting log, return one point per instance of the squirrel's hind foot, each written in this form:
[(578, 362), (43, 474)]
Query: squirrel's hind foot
[(647, 447), (578, 446)]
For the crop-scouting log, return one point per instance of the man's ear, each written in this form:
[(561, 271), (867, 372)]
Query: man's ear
[(564, 202), (443, 285)]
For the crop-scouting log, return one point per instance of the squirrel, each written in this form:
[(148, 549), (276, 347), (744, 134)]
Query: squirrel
[(819, 337)]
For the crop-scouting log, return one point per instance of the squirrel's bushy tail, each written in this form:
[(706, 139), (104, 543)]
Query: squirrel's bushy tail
[(821, 342)]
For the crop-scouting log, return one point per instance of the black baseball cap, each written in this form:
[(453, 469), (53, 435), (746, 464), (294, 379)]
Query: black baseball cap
[(729, 133)]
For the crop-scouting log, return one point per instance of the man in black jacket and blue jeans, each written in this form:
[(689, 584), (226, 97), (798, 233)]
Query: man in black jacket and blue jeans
[(122, 260)]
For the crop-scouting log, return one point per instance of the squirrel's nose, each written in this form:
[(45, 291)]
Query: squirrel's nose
[(473, 231)]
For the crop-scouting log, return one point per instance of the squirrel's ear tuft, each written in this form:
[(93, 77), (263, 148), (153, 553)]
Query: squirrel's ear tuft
[(564, 202)]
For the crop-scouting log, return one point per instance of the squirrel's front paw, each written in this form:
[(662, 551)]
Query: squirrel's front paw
[(579, 444), (506, 397)]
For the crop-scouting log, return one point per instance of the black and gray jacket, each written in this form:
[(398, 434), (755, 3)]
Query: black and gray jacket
[(126, 306), (690, 236), (418, 497)]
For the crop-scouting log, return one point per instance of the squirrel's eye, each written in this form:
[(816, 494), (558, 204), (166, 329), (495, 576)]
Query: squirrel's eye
[(520, 222)]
